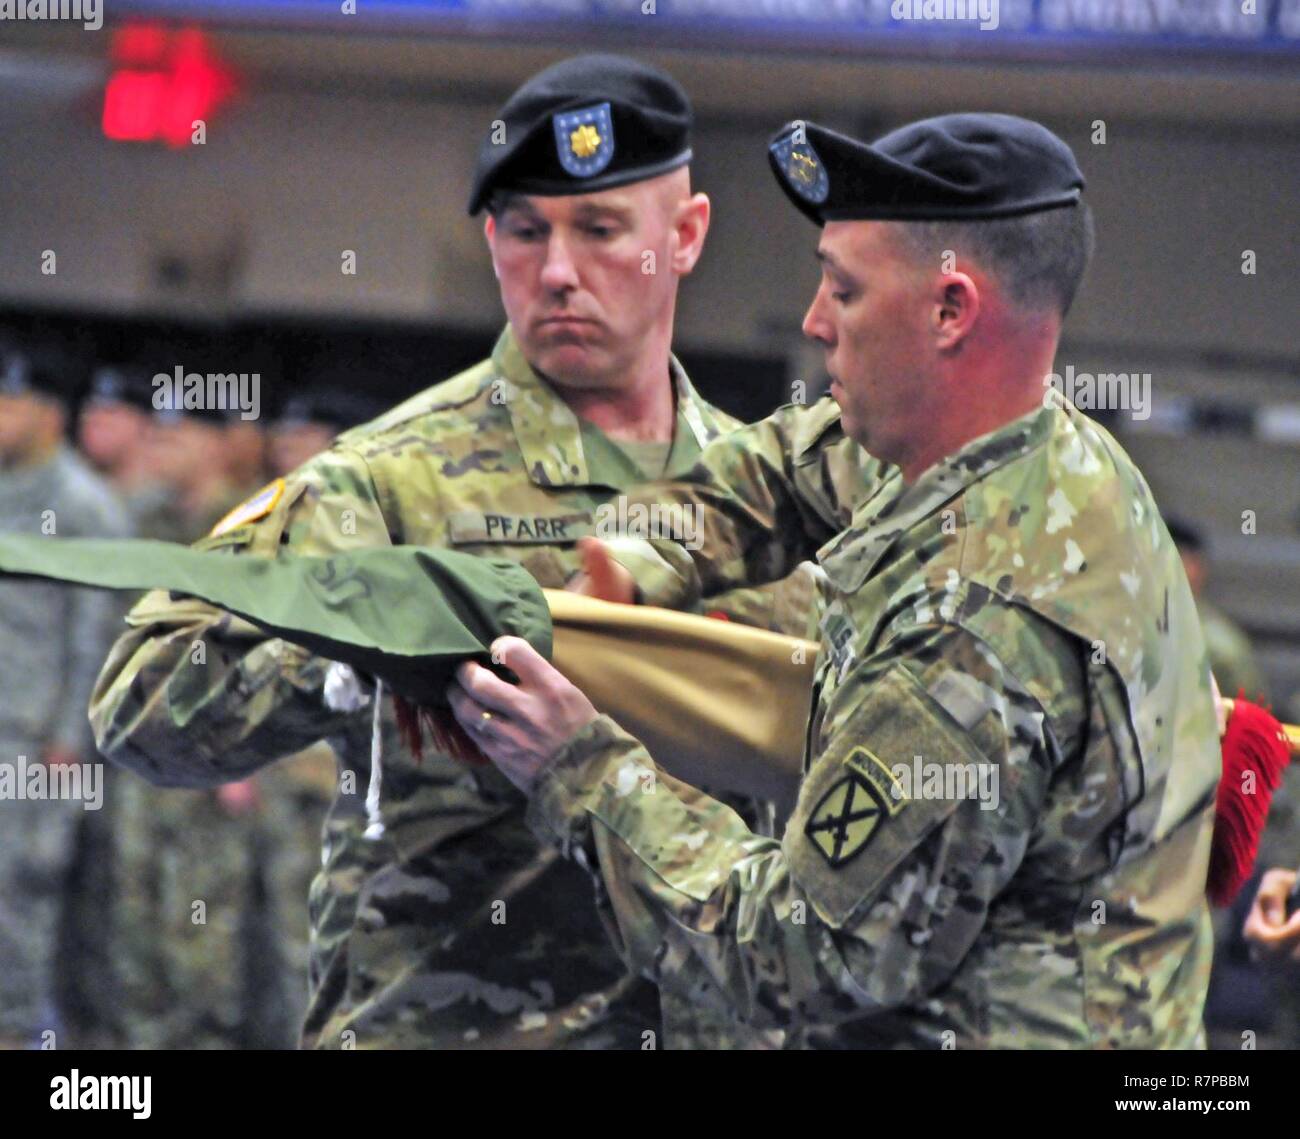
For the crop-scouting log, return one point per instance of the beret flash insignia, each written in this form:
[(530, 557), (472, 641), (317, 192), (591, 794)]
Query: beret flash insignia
[(802, 169), (584, 140)]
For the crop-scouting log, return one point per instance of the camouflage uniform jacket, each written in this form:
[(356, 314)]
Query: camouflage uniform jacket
[(455, 929), (1017, 616)]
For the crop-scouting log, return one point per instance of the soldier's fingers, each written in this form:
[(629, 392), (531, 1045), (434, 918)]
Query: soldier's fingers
[(467, 710), (524, 661), (1275, 937), (488, 689), (462, 706), (1271, 897), (607, 579)]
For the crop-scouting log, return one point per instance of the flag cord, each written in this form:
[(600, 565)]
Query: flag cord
[(375, 821)]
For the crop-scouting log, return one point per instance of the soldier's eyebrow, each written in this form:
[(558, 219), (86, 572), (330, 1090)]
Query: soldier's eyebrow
[(592, 211), (521, 210), (830, 263)]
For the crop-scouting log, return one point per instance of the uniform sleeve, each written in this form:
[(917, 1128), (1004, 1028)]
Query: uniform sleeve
[(881, 882), (88, 629), (193, 696), (760, 500)]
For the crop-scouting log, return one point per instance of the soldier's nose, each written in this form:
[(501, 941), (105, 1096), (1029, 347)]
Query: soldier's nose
[(559, 273), (815, 327)]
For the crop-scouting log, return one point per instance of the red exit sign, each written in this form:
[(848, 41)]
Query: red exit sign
[(163, 81)]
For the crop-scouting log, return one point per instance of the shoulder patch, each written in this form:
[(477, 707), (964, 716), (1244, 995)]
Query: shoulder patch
[(845, 819), (250, 510)]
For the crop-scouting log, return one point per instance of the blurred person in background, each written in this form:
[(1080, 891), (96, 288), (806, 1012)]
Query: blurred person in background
[(112, 433), (1245, 1002), (113, 427), (52, 639), (188, 455), (246, 452), (194, 953), (1231, 658), (1273, 926), (310, 421)]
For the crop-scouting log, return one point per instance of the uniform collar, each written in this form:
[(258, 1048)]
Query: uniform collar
[(554, 442), (894, 509)]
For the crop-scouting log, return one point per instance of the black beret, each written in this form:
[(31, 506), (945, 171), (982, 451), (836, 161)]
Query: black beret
[(329, 406), (40, 372), (585, 124), (951, 168), (120, 384), (168, 397)]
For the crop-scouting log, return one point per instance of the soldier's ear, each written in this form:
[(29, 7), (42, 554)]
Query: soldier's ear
[(691, 224), (955, 309), (490, 233)]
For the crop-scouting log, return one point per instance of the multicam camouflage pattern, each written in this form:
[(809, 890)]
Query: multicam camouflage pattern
[(1245, 1002), (185, 976), (194, 964), (1020, 606), (51, 640), (454, 929), (296, 794)]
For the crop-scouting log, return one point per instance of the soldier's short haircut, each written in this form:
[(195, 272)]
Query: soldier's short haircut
[(1038, 259)]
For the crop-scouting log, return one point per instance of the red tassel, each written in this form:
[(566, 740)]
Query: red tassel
[(1253, 742), (445, 733)]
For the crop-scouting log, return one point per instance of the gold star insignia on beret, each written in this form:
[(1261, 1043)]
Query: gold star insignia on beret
[(584, 141), (803, 167)]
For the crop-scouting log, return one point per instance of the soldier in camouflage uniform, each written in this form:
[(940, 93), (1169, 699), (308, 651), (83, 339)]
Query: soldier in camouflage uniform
[(1009, 615), (1247, 1003), (454, 928), (184, 876), (51, 640), (296, 793), (1232, 660)]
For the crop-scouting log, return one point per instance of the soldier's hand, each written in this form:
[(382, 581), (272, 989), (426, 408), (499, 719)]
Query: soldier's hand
[(1267, 928), (520, 727), (602, 577)]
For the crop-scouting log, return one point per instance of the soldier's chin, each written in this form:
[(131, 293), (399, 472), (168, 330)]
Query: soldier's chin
[(854, 426), (568, 362)]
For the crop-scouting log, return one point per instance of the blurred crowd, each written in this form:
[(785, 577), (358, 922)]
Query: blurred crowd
[(160, 917)]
